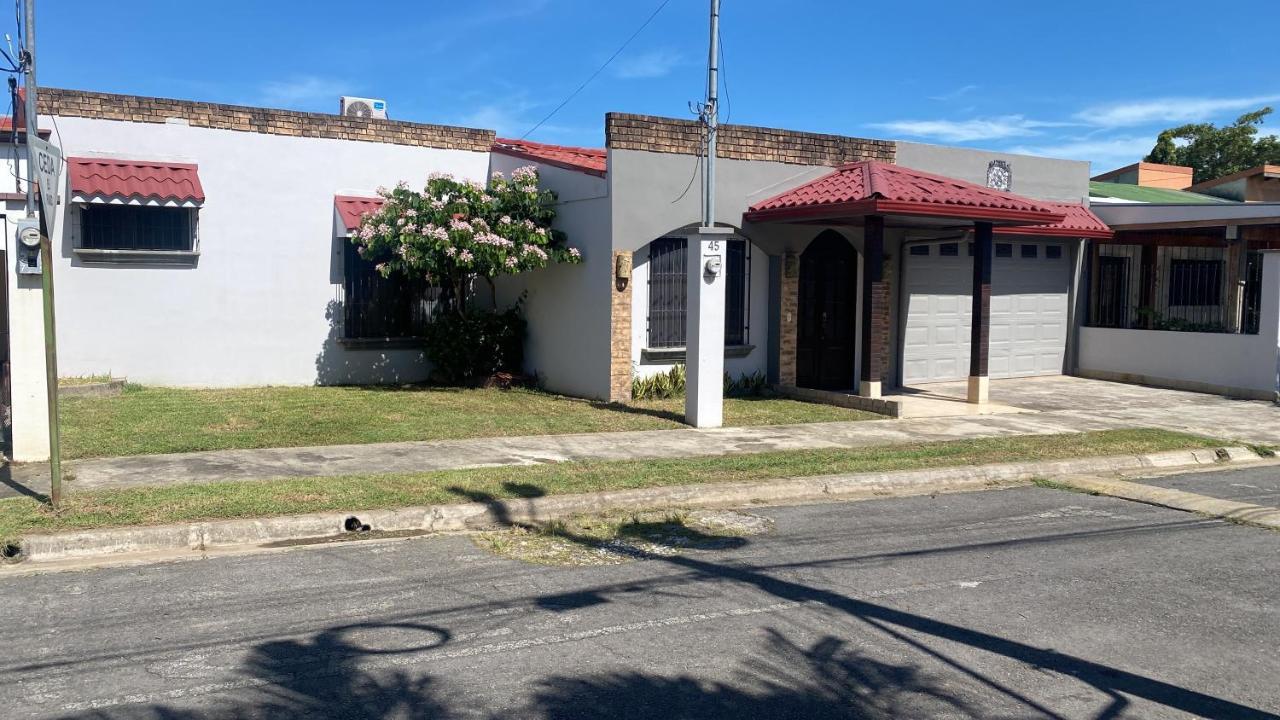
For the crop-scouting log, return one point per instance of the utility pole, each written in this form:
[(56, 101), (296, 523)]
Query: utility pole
[(711, 118), (705, 292), (46, 250)]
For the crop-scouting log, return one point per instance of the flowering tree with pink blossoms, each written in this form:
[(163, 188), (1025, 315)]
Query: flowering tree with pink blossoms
[(454, 230)]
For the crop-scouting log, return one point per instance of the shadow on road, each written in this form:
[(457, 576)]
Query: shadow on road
[(368, 671)]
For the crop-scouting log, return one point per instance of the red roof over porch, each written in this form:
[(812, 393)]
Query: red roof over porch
[(878, 188), (1078, 222)]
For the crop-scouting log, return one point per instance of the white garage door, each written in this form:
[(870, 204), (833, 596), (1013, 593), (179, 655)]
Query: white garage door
[(1029, 286)]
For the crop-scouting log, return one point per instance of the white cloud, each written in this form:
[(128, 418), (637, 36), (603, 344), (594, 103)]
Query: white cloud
[(513, 117), (954, 94), (490, 13), (506, 119), (1168, 110), (993, 128), (303, 91), (652, 64), (1104, 153)]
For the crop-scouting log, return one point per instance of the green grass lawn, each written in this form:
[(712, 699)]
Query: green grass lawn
[(150, 420), (153, 505)]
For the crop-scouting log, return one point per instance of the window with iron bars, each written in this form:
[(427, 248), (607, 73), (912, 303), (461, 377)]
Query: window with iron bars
[(1173, 287), (395, 307), (136, 227), (668, 284)]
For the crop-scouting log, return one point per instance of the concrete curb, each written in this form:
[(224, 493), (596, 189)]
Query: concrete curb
[(1246, 513), (201, 536)]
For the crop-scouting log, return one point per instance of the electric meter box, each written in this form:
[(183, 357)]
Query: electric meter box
[(28, 244)]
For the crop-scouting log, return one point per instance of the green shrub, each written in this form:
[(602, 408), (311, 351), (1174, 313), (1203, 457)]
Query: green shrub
[(469, 347), (671, 384), (659, 387)]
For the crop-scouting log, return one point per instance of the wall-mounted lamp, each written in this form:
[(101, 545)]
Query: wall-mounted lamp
[(622, 270)]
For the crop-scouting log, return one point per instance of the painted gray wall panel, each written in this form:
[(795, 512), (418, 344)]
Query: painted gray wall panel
[(1035, 177), (567, 306)]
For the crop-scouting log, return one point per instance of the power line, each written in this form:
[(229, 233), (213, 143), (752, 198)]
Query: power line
[(724, 78), (599, 70)]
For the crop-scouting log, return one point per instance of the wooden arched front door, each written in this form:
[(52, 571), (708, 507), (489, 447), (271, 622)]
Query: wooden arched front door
[(825, 339)]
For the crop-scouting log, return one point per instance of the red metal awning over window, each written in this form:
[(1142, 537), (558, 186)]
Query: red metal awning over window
[(134, 182), (351, 208), (878, 188)]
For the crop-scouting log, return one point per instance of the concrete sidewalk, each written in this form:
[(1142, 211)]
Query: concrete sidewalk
[(1056, 405)]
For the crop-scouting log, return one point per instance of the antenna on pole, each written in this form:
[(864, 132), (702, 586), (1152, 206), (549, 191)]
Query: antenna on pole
[(710, 116)]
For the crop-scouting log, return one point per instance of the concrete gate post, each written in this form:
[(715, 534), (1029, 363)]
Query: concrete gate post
[(704, 334)]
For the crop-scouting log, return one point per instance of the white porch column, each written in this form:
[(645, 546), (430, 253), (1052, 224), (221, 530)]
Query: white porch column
[(1270, 310), (30, 406), (704, 334)]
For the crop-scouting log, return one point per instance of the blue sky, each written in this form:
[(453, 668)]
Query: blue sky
[(1074, 78)]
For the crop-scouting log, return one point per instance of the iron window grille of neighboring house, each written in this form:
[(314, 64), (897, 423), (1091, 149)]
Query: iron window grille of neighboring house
[(380, 310), (1251, 319), (668, 293), (1173, 288), (1195, 283), (137, 228)]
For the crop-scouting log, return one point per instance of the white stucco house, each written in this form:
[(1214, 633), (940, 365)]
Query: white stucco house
[(207, 245)]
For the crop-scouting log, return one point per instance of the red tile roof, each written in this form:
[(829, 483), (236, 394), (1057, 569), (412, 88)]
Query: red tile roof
[(352, 208), (1078, 221), (588, 160), (135, 179), (877, 188)]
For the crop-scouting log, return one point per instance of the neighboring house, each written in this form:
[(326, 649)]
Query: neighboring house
[(1149, 175), (1186, 293), (195, 245), (1257, 184)]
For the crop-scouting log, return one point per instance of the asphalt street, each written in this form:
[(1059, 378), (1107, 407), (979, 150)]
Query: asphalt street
[(1021, 603), (1259, 485)]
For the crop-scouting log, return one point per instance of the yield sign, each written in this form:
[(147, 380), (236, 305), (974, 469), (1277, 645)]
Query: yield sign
[(48, 166)]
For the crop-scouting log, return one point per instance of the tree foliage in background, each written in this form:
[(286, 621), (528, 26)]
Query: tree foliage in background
[(1213, 152)]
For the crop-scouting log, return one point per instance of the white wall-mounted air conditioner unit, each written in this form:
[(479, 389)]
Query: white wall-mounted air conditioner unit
[(364, 107)]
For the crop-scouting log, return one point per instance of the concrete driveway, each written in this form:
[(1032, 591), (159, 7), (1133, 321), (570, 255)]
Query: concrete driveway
[(1251, 421)]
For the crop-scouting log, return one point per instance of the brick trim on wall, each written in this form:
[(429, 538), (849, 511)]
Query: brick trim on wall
[(619, 334), (742, 142), (788, 320), (135, 108)]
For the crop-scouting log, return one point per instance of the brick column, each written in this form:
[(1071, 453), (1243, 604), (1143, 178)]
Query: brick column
[(788, 320), (875, 310), (887, 274), (980, 326), (620, 331)]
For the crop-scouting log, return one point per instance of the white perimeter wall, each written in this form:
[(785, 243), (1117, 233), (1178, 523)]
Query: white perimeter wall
[(567, 306), (254, 309), (1245, 365)]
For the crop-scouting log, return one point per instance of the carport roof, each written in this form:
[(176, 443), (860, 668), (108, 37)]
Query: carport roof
[(877, 188)]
